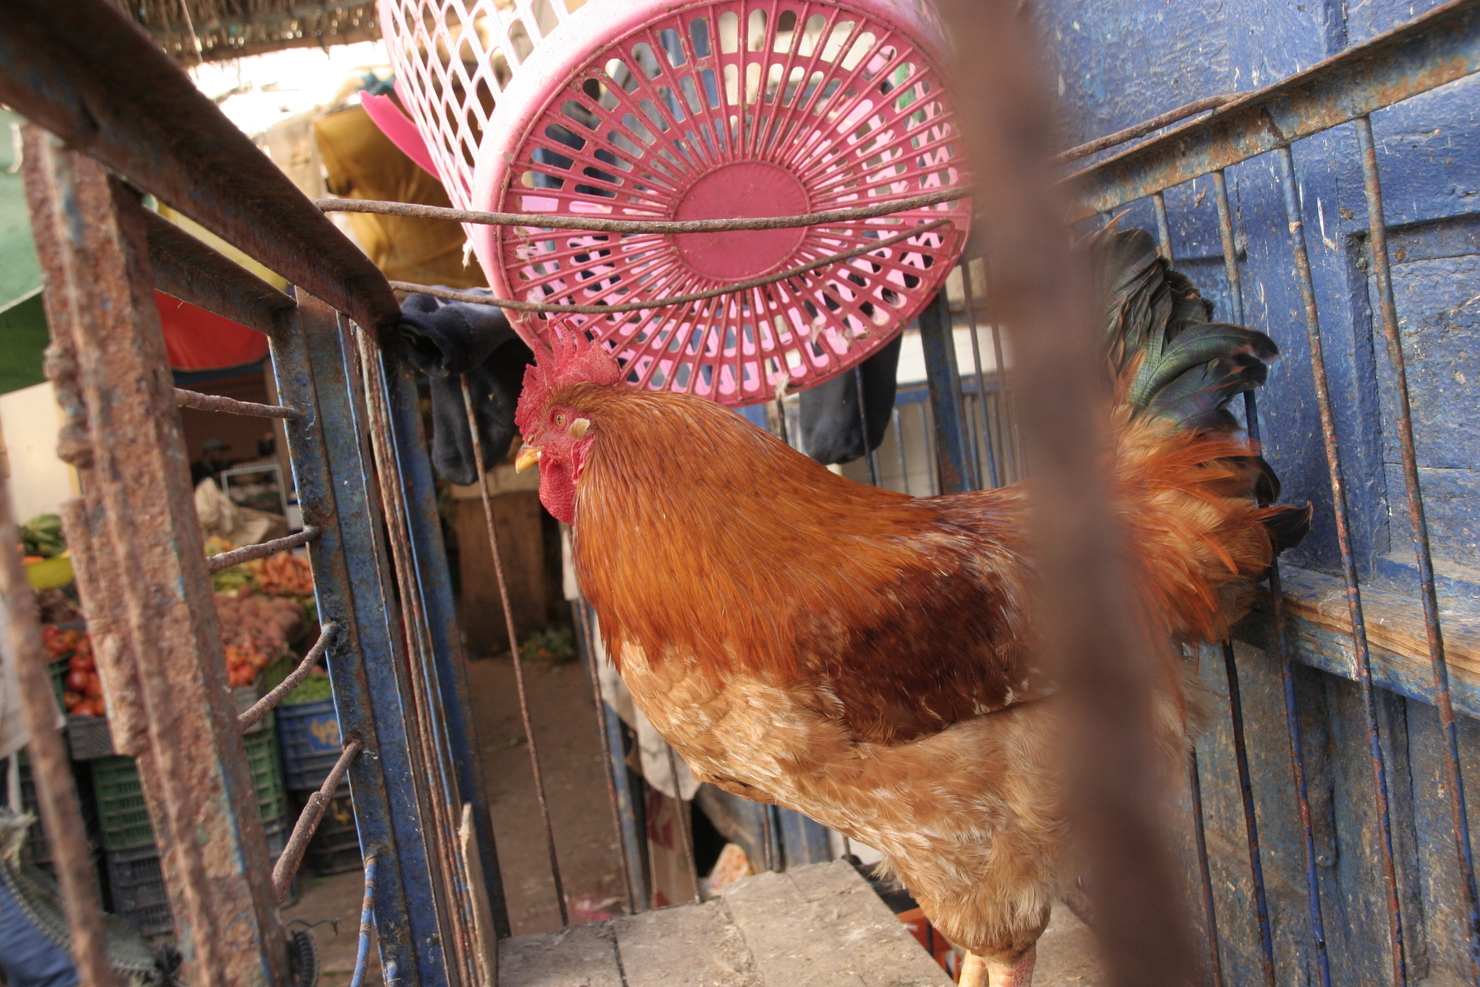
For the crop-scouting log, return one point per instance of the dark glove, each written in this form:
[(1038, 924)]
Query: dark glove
[(447, 340), (832, 431)]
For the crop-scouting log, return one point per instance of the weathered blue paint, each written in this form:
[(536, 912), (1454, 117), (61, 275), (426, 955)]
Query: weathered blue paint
[(1307, 724), (419, 493), (331, 471)]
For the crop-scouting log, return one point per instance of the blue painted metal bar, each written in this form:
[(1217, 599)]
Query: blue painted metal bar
[(938, 342), (1292, 714), (904, 469), (1388, 312), (418, 488), (1290, 192), (367, 918), (366, 667), (868, 452)]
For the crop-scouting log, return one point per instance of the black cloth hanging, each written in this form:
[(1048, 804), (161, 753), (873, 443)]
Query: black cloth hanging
[(446, 340), (832, 431)]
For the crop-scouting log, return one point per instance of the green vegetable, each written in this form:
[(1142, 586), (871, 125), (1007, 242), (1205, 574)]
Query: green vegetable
[(556, 644), (310, 690), (231, 580), (42, 535)]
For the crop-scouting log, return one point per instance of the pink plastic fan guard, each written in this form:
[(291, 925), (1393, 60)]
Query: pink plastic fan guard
[(650, 109)]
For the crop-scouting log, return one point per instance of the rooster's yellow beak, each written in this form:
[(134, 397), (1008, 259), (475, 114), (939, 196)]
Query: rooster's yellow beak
[(528, 456)]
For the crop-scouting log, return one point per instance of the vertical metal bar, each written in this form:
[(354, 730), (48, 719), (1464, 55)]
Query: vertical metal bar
[(419, 490), (936, 339), (1200, 839), (1163, 225), (1230, 249), (432, 751), (91, 240), (1012, 451), (904, 469), (1261, 910), (685, 822), (1277, 603), (1251, 822), (1388, 310), (366, 666), (983, 421), (1291, 195), (503, 593), (56, 791), (868, 452), (589, 653), (931, 464), (1230, 666)]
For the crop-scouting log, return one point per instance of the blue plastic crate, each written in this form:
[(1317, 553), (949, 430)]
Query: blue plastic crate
[(309, 733)]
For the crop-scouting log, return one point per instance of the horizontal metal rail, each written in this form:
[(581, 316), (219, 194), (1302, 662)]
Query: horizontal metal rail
[(225, 560), (96, 80), (231, 406), (189, 269), (265, 705), (1427, 52), (308, 821), (1145, 127), (697, 296), (548, 221)]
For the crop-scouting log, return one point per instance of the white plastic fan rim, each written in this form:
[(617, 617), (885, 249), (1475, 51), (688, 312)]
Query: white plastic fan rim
[(582, 39)]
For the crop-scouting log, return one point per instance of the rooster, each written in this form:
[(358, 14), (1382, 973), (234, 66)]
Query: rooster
[(868, 658)]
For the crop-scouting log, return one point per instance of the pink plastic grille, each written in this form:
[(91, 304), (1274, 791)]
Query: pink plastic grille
[(646, 109)]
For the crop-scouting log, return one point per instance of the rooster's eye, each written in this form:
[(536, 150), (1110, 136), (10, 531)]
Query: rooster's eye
[(560, 421)]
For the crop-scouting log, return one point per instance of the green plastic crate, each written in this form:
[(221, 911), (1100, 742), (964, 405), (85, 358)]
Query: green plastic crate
[(121, 808), (266, 767), (120, 794), (59, 670)]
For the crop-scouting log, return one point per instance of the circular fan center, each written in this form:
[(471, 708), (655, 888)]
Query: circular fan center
[(741, 190)]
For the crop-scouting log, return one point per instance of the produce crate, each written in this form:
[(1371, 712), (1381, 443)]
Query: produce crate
[(311, 743), (138, 890), (58, 670), (267, 771), (335, 845), (36, 851), (121, 808), (89, 737), (120, 794)]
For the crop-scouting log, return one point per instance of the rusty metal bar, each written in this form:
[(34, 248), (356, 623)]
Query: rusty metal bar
[(90, 236), (308, 821), (980, 419), (189, 269), (1429, 51), (1204, 870), (1144, 127), (95, 79), (225, 560), (1251, 820), (1292, 713), (587, 638), (231, 406), (1290, 192), (503, 594), (1086, 602), (595, 224), (56, 791), (258, 710), (1388, 311), (693, 296), (685, 821)]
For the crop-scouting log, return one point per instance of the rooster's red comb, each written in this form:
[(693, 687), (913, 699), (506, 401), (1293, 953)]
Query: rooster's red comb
[(573, 358)]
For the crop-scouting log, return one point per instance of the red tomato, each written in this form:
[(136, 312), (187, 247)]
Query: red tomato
[(94, 686), (83, 660), (84, 708), (70, 700), (77, 680)]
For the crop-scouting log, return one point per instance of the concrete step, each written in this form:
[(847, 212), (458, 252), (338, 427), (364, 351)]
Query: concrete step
[(815, 926)]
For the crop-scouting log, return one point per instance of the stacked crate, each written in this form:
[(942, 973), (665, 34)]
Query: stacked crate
[(131, 856), (311, 742)]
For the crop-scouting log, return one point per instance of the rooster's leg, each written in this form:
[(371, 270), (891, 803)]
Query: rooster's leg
[(983, 971)]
